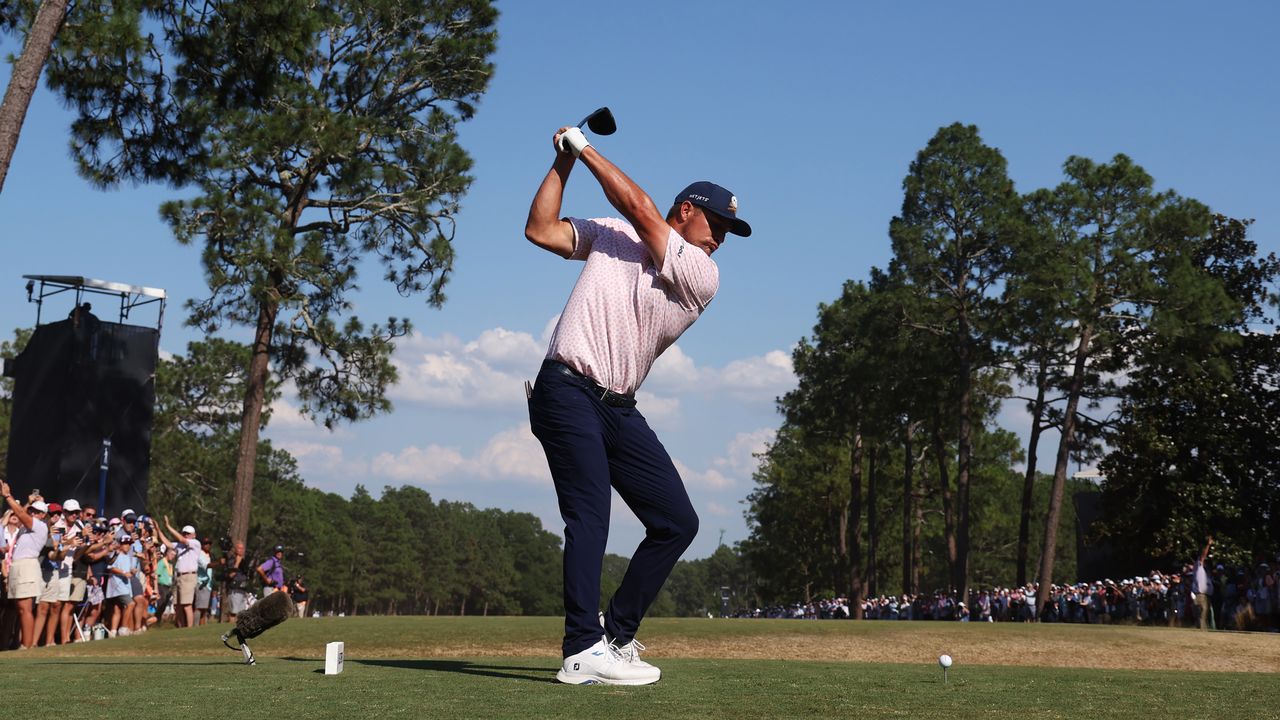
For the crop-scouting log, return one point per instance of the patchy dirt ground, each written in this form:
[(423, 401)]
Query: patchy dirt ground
[(1077, 646), (1110, 648)]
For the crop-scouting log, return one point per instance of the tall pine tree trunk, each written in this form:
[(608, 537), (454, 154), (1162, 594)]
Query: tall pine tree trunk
[(26, 77), (873, 525), (944, 487), (916, 531), (1048, 550), (841, 550), (960, 580), (856, 587), (251, 420), (908, 503), (1029, 482)]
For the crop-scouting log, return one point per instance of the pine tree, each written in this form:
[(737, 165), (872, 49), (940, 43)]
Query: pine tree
[(308, 137)]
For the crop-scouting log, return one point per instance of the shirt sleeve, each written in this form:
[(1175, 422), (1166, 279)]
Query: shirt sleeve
[(585, 233), (691, 274)]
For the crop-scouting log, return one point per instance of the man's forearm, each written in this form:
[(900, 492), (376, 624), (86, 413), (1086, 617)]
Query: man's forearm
[(620, 190), (631, 201)]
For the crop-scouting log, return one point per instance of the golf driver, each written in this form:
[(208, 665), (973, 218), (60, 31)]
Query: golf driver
[(600, 122)]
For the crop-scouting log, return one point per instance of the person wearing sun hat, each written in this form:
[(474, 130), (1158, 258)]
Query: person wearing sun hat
[(185, 569), (25, 581)]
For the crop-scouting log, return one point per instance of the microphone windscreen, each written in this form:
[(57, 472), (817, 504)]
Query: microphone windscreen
[(265, 614)]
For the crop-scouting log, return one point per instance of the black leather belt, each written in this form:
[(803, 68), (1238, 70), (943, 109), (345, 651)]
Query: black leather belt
[(606, 396)]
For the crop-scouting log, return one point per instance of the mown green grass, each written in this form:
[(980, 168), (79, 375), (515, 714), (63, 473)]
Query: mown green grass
[(169, 673)]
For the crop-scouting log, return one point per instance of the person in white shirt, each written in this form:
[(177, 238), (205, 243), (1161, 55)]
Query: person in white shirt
[(24, 568), (185, 569), (1202, 587)]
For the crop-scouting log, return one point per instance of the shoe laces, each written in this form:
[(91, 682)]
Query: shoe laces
[(629, 652)]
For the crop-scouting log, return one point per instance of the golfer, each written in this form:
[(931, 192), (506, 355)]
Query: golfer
[(646, 279)]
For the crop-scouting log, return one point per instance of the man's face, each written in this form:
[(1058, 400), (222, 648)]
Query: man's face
[(702, 228), (715, 229), (239, 548)]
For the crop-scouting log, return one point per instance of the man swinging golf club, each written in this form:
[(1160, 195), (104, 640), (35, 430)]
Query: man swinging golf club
[(646, 279)]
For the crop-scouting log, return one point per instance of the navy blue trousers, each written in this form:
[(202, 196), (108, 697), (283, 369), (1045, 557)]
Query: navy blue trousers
[(591, 447)]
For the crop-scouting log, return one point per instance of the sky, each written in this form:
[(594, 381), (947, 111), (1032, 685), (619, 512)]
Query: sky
[(809, 113)]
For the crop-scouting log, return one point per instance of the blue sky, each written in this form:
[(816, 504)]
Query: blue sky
[(810, 113)]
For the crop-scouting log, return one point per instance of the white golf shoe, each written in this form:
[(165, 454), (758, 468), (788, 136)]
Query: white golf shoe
[(630, 652), (603, 664)]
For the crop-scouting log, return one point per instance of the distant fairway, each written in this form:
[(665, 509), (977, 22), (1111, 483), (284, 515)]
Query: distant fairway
[(503, 668)]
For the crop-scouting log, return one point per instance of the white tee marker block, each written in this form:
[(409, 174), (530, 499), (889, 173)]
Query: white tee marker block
[(333, 653)]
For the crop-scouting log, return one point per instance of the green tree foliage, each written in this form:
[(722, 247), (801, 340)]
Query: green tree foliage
[(9, 349), (1112, 233), (328, 139), (1194, 452), (1097, 291), (402, 552), (40, 34), (953, 243)]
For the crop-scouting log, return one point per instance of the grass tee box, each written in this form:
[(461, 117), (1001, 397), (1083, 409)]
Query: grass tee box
[(503, 668)]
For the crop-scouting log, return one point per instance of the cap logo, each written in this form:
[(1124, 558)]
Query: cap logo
[(699, 198), (733, 204)]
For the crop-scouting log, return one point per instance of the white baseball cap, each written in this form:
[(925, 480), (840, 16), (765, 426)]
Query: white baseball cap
[(72, 505), (40, 506), (188, 530)]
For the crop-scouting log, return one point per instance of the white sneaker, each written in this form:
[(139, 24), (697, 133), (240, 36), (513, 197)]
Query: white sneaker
[(630, 653), (601, 664)]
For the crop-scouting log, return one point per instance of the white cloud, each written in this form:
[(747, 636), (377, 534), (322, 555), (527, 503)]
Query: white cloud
[(511, 454), (767, 376), (710, 478), (753, 379), (674, 371), (324, 465), (740, 456), (549, 329), (659, 411), (718, 510), (487, 372), (286, 416), (425, 466), (504, 348)]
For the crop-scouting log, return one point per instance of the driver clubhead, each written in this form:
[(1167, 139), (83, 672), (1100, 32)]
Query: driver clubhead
[(600, 122)]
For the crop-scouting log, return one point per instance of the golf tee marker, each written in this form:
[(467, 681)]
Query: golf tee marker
[(333, 656)]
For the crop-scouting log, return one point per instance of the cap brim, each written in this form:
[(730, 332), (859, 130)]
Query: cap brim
[(740, 226)]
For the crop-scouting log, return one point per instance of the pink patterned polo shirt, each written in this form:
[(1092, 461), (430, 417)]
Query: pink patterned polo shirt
[(623, 311)]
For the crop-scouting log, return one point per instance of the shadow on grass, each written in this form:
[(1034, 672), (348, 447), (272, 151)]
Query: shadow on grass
[(506, 672), (156, 661)]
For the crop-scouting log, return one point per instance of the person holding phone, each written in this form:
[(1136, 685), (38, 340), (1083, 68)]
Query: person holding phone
[(24, 569)]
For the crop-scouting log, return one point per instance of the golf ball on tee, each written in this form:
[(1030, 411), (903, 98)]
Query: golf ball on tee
[(944, 661)]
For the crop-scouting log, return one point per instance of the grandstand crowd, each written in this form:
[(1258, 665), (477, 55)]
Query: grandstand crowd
[(71, 576), (1238, 598)]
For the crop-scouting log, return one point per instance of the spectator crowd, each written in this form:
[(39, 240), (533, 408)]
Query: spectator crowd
[(1221, 597), (70, 575)]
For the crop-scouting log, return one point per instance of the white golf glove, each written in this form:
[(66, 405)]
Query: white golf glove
[(573, 141)]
